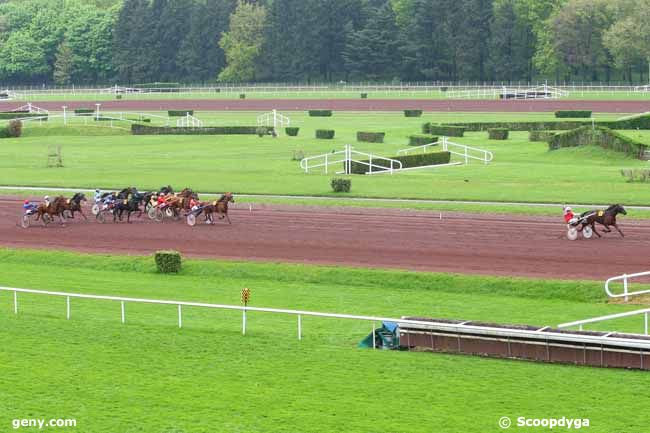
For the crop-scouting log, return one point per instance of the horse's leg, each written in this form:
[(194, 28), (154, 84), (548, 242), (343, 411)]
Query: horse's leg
[(83, 214), (619, 230), (593, 228), (228, 218)]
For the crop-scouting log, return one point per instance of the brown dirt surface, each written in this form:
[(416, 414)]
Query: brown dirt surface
[(434, 105), (386, 238)]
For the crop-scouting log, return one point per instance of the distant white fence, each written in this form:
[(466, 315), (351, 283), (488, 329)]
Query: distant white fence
[(626, 285), (274, 119), (189, 121), (347, 157), (580, 323)]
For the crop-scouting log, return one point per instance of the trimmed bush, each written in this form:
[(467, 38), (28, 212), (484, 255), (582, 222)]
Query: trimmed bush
[(540, 135), (417, 160), (412, 113), (291, 131), (498, 134), (6, 115), (573, 114), (14, 129), (364, 96), (118, 96), (139, 129), (242, 96), (84, 112), (341, 185), (600, 136), (168, 262), (446, 130), (326, 134), (180, 113), (421, 139), (320, 113), (371, 137)]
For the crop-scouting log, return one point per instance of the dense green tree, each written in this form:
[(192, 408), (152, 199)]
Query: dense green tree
[(64, 63)]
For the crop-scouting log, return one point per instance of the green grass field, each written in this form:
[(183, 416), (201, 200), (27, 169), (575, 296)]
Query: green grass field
[(521, 171), (149, 376)]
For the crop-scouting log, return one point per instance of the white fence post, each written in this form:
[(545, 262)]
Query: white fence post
[(15, 302), (67, 307), (180, 317), (243, 322), (122, 308)]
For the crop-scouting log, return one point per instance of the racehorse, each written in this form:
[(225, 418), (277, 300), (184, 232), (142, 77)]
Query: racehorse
[(56, 207), (605, 218), (129, 205), (166, 190), (74, 205), (221, 206)]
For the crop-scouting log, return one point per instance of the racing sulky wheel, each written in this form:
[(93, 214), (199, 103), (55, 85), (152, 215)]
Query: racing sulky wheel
[(25, 221), (587, 232), (101, 218), (191, 219), (572, 233), (95, 209)]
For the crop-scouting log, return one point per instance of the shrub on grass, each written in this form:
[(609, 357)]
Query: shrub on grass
[(412, 113), (371, 137), (364, 96), (446, 130), (298, 155), (326, 134), (341, 185), (417, 160), (180, 113), (291, 131), (139, 129), (540, 135), (242, 96), (498, 134), (168, 261), (421, 139), (15, 128), (320, 113), (118, 96), (84, 111), (575, 114)]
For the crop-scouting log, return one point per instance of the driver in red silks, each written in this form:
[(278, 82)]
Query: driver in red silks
[(568, 214)]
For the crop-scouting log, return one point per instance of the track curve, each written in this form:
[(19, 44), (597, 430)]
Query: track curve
[(414, 240)]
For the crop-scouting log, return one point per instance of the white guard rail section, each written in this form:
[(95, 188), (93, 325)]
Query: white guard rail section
[(581, 323), (424, 147), (625, 278), (467, 152), (327, 159), (431, 325)]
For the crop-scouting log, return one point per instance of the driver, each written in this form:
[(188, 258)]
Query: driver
[(46, 201), (98, 196), (568, 214), (28, 206)]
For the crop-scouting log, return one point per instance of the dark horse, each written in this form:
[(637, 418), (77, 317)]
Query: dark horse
[(74, 205), (56, 208), (220, 207), (129, 205), (606, 218)]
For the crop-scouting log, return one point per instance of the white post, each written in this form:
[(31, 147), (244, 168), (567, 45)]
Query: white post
[(275, 119), (67, 307), (374, 342), (625, 286), (180, 317), (15, 302), (300, 326), (65, 117), (580, 327), (29, 107), (243, 323), (371, 164), (122, 308), (97, 111)]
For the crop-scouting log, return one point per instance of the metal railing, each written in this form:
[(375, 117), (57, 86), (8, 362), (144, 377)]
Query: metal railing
[(325, 160), (424, 147), (465, 151), (580, 323), (626, 285)]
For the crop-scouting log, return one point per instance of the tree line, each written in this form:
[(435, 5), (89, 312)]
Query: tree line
[(201, 41)]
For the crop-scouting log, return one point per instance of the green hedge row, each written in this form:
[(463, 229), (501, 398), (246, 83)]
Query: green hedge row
[(498, 134), (326, 134), (600, 136), (641, 121), (168, 262), (540, 135), (137, 129), (83, 111), (371, 137), (13, 129), (320, 113), (291, 131), (445, 130), (412, 113), (573, 114), (408, 161), (8, 115), (180, 113), (421, 139), (364, 96)]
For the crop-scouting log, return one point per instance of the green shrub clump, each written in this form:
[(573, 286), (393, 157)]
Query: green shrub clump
[(291, 131), (180, 113), (540, 135), (498, 134), (421, 139), (320, 113), (408, 161), (139, 129), (341, 185), (242, 96), (364, 96), (445, 130), (326, 134), (84, 111), (371, 137), (14, 129), (168, 261), (572, 114), (412, 113)]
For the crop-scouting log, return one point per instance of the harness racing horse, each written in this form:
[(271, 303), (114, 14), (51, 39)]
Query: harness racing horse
[(605, 218), (56, 207), (220, 207), (74, 205), (129, 205)]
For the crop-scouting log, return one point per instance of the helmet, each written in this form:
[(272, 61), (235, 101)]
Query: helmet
[(47, 197), (97, 190), (26, 202), (567, 209)]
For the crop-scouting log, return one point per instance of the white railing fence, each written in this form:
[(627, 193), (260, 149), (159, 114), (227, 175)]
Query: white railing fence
[(467, 152), (423, 147), (581, 323), (274, 119), (189, 121), (334, 158), (626, 285)]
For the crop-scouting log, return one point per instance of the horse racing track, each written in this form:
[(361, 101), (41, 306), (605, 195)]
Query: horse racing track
[(415, 240)]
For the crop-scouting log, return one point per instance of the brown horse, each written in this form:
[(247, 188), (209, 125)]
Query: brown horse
[(74, 205), (606, 218), (56, 208), (220, 207)]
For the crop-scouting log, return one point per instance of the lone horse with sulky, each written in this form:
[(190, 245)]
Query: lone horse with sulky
[(606, 218)]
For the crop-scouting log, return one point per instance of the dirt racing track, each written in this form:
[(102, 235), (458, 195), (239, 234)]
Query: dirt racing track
[(459, 243)]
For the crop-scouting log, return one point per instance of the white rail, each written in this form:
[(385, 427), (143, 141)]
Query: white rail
[(424, 147), (580, 323), (274, 119), (465, 151), (625, 278), (347, 160), (189, 121)]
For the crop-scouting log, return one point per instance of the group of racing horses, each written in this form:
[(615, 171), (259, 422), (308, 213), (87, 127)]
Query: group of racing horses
[(129, 200)]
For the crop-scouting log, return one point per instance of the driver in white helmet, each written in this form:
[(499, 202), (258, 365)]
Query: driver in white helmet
[(46, 201), (569, 216)]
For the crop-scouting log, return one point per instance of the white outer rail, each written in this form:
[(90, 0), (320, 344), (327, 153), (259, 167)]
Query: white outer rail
[(424, 147), (625, 278), (580, 323), (395, 165), (487, 155)]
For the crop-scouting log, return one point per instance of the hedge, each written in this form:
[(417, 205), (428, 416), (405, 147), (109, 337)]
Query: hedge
[(242, 96), (168, 261), (641, 121), (341, 185), (325, 133), (13, 129), (364, 96), (540, 135), (599, 136), (498, 134), (446, 130), (8, 115), (371, 137), (138, 129), (180, 113), (573, 114), (421, 139), (291, 131), (84, 111), (412, 113), (417, 160), (320, 113)]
